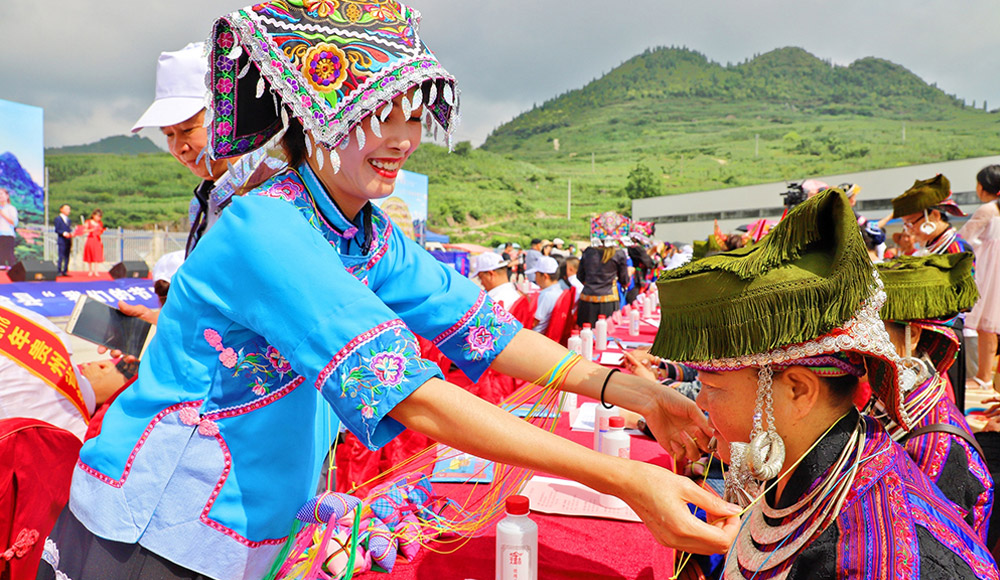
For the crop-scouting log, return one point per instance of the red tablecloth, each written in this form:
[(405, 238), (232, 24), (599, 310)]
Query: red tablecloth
[(569, 548)]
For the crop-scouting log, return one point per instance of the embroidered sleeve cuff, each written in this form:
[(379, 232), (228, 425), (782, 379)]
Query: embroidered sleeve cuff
[(371, 375), (478, 337)]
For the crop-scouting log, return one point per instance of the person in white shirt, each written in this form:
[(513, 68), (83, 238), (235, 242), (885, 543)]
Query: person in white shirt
[(493, 274), (24, 394), (557, 249), (546, 273), (571, 266)]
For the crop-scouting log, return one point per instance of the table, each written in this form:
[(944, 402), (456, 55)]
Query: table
[(569, 548)]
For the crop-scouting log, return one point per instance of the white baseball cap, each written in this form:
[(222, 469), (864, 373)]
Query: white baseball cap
[(180, 87), (557, 242), (165, 268), (487, 262), (545, 265)]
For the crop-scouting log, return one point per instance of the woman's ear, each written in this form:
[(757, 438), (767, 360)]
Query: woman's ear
[(804, 388)]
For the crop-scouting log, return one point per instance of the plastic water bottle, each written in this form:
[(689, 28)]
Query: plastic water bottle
[(568, 402), (601, 334), (575, 344), (633, 323), (601, 413), (647, 307), (616, 442), (517, 542), (587, 338)]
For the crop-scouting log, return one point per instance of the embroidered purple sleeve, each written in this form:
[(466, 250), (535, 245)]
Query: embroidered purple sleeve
[(371, 375), (478, 337)]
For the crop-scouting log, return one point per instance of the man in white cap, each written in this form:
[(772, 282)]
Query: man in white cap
[(493, 274), (557, 248), (546, 272), (179, 112)]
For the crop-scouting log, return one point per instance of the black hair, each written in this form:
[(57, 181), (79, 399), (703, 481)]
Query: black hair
[(294, 143), (842, 387), (989, 178), (944, 214)]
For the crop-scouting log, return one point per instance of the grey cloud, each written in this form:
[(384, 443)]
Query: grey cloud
[(92, 65)]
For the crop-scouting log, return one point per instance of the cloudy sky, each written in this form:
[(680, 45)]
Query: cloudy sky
[(91, 65)]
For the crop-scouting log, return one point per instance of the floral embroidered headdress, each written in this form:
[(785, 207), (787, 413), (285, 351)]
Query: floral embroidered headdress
[(329, 63), (609, 228)]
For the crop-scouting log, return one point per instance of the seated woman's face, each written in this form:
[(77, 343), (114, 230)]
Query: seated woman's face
[(728, 398), (370, 172)]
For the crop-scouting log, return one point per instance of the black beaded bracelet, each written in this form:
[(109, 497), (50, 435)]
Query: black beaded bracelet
[(605, 386)]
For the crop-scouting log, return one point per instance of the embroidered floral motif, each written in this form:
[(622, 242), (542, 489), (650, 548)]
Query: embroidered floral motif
[(383, 12), (501, 314), (480, 340), (485, 329), (262, 367), (286, 189), (381, 370), (228, 358), (278, 362), (325, 68), (321, 8), (388, 368)]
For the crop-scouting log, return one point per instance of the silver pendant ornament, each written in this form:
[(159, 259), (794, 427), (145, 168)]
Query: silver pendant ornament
[(418, 96), (334, 161), (359, 134), (376, 127), (386, 110), (245, 70), (432, 94), (260, 87)]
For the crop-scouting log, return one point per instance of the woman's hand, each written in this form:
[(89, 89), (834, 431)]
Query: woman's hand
[(678, 425), (639, 362), (660, 498)]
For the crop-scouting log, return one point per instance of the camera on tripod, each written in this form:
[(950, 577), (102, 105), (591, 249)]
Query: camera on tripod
[(795, 195)]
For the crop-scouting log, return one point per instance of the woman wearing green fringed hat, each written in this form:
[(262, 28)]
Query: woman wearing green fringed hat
[(781, 332), (922, 296), (924, 209)]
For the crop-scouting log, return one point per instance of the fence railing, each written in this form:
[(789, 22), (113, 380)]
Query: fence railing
[(119, 245)]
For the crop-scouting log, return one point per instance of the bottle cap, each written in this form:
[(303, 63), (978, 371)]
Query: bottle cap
[(618, 422), (601, 317), (517, 505), (575, 332), (586, 325)]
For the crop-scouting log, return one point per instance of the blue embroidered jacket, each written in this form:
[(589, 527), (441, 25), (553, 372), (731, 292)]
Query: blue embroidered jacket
[(285, 311)]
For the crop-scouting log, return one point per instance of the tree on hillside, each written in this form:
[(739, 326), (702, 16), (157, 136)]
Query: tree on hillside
[(642, 183)]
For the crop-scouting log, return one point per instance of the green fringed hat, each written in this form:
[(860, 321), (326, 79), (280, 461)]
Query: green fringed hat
[(928, 291), (924, 195), (807, 292)]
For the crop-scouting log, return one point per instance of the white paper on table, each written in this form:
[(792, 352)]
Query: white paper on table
[(611, 358), (584, 420), (651, 322), (549, 495)]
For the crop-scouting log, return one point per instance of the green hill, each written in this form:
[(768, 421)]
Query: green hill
[(117, 145), (689, 123)]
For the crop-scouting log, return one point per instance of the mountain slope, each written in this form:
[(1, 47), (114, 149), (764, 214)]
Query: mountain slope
[(117, 144)]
